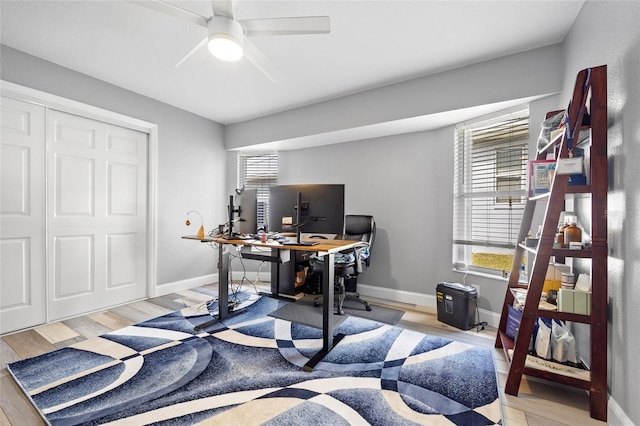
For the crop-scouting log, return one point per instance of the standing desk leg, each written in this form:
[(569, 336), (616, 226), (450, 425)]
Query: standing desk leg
[(328, 341), (223, 290), (223, 283)]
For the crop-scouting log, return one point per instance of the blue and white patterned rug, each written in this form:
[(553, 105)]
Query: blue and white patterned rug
[(248, 371)]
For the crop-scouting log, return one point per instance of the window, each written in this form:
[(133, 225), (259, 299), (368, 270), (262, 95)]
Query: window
[(258, 171), (490, 178)]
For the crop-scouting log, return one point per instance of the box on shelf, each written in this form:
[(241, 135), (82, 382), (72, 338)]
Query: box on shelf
[(540, 176), (565, 300), (574, 167), (574, 301), (553, 279), (456, 304), (582, 302)]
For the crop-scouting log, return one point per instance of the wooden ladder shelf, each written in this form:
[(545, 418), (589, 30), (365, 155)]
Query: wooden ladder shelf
[(590, 94)]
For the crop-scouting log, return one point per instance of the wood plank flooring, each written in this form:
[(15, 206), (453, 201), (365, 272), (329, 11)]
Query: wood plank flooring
[(539, 403)]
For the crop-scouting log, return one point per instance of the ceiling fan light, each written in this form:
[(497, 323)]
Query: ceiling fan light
[(224, 48), (225, 38)]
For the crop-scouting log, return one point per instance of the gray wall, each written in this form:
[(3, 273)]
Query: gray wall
[(406, 181), (533, 73), (191, 157)]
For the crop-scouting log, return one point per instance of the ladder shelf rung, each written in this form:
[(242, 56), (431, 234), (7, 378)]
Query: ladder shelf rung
[(570, 190), (565, 252), (564, 316), (533, 250), (539, 196), (562, 252), (555, 140), (552, 143)]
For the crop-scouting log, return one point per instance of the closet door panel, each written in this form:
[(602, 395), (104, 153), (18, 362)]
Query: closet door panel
[(97, 227), (22, 215)]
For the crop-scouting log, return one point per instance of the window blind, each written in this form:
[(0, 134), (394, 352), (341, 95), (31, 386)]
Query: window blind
[(259, 171), (490, 161)]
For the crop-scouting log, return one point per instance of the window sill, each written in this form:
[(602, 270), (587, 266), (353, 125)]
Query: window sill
[(482, 274)]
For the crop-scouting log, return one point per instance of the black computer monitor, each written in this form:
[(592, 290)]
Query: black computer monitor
[(243, 212), (321, 208)]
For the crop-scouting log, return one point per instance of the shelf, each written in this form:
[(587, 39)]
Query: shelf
[(533, 250), (549, 370), (554, 141), (539, 196), (557, 138), (519, 294), (562, 252), (571, 189), (579, 189), (564, 316), (565, 252), (589, 94)]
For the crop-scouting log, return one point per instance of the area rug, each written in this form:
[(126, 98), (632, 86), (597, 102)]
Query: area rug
[(306, 314), (248, 371)]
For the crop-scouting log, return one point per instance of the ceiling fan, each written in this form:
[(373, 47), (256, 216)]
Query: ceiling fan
[(227, 38)]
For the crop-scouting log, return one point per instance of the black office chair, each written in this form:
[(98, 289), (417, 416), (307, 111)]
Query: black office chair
[(353, 262)]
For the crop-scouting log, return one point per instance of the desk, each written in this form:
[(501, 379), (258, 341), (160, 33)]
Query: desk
[(328, 248)]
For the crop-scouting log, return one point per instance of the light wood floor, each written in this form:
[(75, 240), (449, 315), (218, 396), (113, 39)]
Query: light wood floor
[(538, 403)]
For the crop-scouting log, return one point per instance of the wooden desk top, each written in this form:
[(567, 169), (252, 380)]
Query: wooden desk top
[(322, 246)]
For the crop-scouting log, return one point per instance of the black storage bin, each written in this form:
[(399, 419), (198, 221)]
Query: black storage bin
[(456, 304)]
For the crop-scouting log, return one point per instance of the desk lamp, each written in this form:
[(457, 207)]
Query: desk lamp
[(200, 233)]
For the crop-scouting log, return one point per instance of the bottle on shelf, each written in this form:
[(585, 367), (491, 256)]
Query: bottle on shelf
[(560, 236), (572, 233)]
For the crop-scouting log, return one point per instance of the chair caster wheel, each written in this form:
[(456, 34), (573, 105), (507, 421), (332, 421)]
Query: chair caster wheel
[(316, 303), (340, 312), (368, 308)]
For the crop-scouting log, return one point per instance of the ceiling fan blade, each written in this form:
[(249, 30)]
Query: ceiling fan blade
[(222, 8), (192, 51), (257, 58), (176, 11), (287, 26)]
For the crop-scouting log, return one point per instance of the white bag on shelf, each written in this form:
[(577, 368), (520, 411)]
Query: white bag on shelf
[(563, 344), (543, 340)]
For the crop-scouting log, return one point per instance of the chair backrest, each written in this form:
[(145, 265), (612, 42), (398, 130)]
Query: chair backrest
[(359, 228)]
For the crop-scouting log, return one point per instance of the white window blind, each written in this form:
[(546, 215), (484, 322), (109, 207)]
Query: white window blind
[(258, 171), (490, 160)]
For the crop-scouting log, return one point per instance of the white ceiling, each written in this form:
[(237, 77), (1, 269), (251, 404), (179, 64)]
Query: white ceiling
[(372, 43)]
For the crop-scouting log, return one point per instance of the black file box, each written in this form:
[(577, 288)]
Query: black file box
[(456, 304)]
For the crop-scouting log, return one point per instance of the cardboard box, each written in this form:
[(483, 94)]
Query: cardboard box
[(582, 302), (565, 300)]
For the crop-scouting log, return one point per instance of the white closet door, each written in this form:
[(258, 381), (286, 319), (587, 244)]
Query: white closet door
[(97, 215), (22, 215)]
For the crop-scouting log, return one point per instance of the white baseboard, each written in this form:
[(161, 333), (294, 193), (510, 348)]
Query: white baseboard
[(393, 295), (427, 300), (616, 415), (162, 289)]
